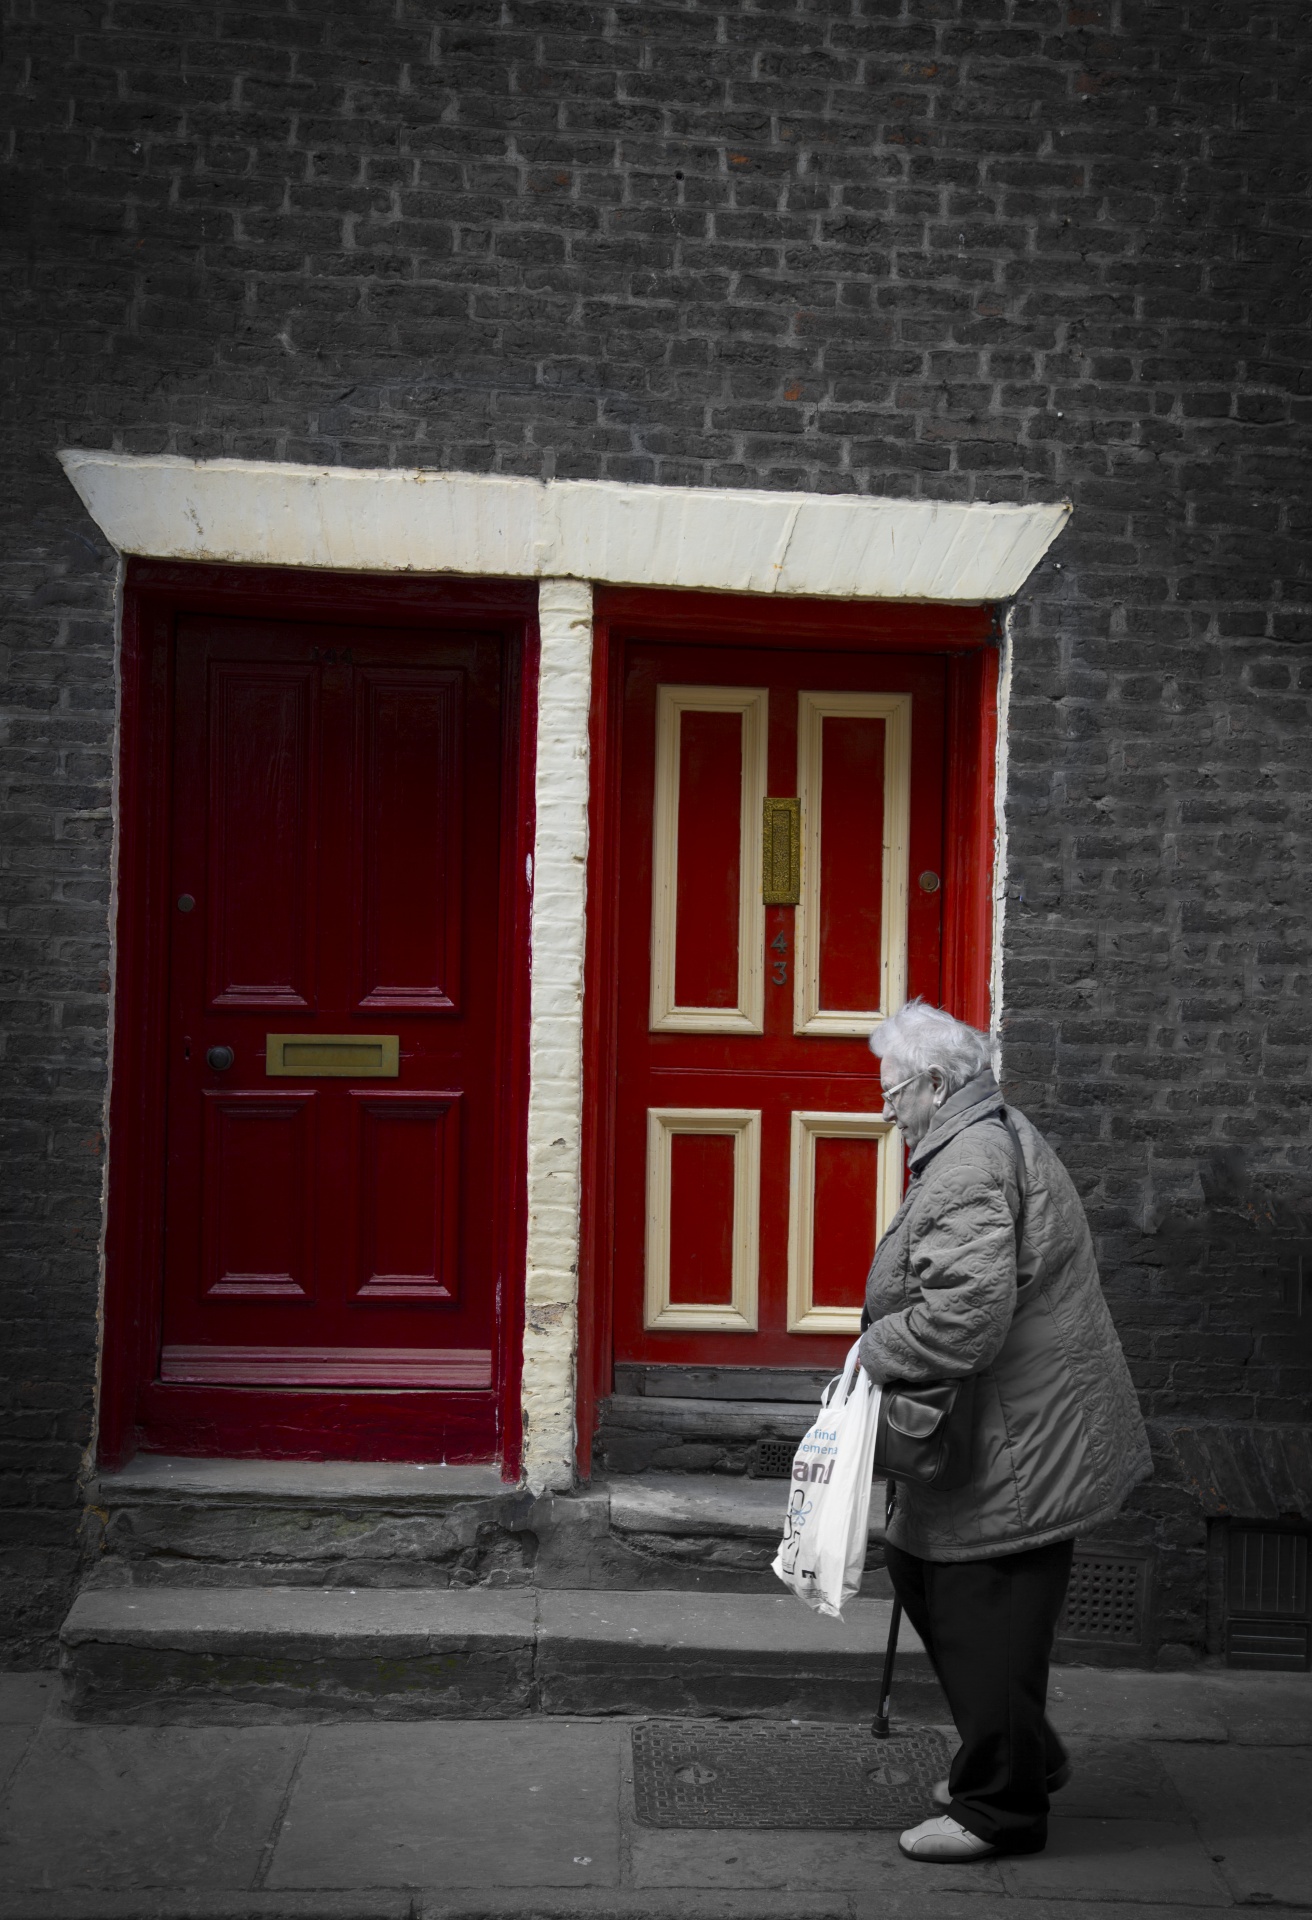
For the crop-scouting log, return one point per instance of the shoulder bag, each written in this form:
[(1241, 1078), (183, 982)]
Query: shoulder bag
[(924, 1431)]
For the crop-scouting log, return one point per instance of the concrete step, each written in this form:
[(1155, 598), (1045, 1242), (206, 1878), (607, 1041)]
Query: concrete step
[(723, 1529), (242, 1654), (162, 1521), (645, 1433), (321, 1524)]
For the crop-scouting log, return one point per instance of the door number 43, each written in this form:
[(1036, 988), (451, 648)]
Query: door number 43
[(779, 965)]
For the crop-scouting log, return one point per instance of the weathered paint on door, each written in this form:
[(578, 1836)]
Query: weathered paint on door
[(752, 1171)]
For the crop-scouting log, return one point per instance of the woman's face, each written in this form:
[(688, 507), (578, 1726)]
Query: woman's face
[(911, 1098)]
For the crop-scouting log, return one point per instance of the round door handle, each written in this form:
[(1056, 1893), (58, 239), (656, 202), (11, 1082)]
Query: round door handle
[(220, 1058)]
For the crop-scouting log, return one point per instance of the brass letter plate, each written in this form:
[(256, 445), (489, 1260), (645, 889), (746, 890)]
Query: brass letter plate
[(332, 1056), (781, 853)]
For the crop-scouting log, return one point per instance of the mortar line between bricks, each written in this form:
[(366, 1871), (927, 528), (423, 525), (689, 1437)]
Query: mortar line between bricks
[(270, 1846)]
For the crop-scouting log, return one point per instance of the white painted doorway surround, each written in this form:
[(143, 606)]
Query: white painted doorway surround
[(567, 535)]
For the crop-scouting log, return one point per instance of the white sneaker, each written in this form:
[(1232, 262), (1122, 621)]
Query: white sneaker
[(945, 1841)]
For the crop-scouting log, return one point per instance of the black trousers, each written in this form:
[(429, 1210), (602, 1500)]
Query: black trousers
[(988, 1627)]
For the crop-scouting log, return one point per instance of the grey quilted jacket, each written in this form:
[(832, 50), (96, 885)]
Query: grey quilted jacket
[(1059, 1440)]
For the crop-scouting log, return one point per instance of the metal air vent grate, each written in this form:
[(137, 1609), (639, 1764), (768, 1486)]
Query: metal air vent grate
[(773, 1459), (1105, 1600)]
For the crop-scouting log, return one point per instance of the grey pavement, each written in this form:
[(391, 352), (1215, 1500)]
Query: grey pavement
[(1192, 1795)]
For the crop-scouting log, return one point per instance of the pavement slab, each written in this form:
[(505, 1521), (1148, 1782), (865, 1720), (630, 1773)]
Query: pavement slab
[(877, 1902), (14, 1742), (1118, 1780), (1121, 1704), (24, 1697), (174, 1903), (1263, 1709), (523, 1803), (795, 1861), (135, 1807), (1154, 1860), (1255, 1812)]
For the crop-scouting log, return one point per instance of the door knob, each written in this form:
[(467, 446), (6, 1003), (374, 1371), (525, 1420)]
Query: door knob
[(220, 1058)]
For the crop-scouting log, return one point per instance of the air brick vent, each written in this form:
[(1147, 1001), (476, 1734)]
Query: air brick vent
[(1105, 1601), (773, 1459)]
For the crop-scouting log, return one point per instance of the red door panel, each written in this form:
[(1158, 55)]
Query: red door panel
[(408, 1182), (410, 732), (750, 1165), (258, 1204), (335, 874), (255, 765)]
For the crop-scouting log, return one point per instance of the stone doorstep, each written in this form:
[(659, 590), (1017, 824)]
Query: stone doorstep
[(709, 1503), (310, 1524), (247, 1653), (152, 1478)]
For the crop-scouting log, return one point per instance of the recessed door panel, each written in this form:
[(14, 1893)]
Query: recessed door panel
[(262, 817), (709, 853), (409, 1188), (747, 1099), (411, 843), (258, 1217)]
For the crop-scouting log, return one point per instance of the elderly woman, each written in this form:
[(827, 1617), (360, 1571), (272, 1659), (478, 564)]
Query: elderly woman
[(987, 1269)]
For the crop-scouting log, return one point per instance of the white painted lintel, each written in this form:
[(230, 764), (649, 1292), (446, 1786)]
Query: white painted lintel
[(410, 520)]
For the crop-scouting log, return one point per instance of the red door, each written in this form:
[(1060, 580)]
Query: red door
[(334, 941), (781, 847)]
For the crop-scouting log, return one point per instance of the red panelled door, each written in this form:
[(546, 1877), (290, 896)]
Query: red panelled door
[(752, 1171), (333, 994)]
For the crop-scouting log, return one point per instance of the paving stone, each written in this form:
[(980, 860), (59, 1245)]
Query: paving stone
[(1120, 1705), (135, 1807), (461, 1804), (796, 1861), (172, 1903), (1117, 1860), (1263, 1709), (24, 1697), (1255, 1810), (1118, 1780), (14, 1742)]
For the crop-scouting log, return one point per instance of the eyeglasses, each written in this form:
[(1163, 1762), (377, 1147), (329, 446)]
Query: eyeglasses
[(888, 1092)]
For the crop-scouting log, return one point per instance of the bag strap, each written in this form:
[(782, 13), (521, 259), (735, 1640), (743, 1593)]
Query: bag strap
[(1010, 1125)]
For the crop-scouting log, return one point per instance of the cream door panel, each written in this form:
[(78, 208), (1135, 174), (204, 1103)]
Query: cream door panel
[(810, 1013), (739, 1313), (747, 1015), (804, 1315)]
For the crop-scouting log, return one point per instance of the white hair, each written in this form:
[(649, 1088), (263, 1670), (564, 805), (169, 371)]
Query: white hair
[(919, 1036)]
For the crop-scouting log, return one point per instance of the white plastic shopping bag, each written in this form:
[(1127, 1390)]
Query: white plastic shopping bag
[(823, 1551)]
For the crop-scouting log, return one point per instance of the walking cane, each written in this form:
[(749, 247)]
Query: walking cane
[(879, 1725)]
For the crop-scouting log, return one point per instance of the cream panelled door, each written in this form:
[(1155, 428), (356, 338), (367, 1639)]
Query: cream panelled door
[(753, 1173)]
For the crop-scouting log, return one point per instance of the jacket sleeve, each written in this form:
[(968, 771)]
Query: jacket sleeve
[(964, 1262)]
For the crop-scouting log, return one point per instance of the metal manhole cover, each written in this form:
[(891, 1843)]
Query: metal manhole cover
[(767, 1774)]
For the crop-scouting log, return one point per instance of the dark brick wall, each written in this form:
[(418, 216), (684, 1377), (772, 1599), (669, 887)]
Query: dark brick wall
[(963, 249)]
